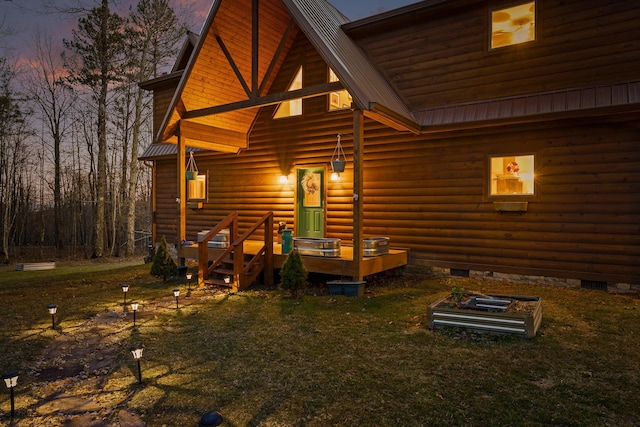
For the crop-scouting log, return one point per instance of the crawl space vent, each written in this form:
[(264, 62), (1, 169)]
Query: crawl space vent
[(593, 284), (456, 272)]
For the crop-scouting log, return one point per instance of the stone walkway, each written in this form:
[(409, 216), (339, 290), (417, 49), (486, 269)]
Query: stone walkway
[(77, 381)]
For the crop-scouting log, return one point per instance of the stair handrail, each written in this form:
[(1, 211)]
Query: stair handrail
[(203, 248), (239, 267)]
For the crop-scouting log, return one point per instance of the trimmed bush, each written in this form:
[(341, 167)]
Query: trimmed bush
[(293, 276), (163, 264)]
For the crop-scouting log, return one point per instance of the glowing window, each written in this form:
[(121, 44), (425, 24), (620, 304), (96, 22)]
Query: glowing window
[(338, 100), (511, 175), (294, 106), (197, 188), (513, 25)]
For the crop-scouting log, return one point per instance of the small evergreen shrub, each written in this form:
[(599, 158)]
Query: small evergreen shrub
[(163, 264), (293, 276)]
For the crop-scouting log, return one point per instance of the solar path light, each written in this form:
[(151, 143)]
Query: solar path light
[(134, 307), (11, 380), (176, 293), (136, 352), (125, 289), (52, 308)]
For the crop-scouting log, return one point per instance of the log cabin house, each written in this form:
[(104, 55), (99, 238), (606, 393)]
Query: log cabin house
[(492, 138)]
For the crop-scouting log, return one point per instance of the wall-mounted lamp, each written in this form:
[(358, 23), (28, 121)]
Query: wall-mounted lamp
[(335, 176), (284, 179)]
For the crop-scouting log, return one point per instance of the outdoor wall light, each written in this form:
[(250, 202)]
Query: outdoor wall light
[(52, 308), (134, 307), (210, 419), (284, 179), (176, 293), (335, 176), (11, 380), (125, 289), (136, 352)]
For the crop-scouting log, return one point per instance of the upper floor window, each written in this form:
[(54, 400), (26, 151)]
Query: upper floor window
[(511, 175), (292, 107), (513, 25), (338, 100)]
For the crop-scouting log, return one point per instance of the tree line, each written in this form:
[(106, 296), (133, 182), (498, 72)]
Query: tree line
[(71, 128)]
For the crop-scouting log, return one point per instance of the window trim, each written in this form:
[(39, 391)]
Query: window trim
[(512, 197), (489, 26)]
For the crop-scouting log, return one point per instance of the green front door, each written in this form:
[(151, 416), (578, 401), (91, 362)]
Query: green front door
[(310, 202)]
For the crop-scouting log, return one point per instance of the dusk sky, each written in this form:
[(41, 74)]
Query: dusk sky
[(24, 17)]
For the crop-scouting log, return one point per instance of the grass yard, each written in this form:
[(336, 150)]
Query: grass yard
[(262, 359)]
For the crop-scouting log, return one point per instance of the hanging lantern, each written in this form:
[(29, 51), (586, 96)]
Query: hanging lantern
[(338, 159), (192, 168)]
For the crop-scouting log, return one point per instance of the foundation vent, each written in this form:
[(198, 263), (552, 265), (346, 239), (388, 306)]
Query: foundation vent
[(456, 272), (593, 284)]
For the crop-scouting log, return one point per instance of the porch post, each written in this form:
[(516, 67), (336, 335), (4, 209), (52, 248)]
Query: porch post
[(182, 190), (358, 177)]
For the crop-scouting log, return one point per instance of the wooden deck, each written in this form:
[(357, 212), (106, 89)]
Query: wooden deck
[(338, 266)]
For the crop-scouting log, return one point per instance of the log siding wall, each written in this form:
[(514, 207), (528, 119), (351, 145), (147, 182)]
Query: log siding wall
[(428, 193), (447, 60)]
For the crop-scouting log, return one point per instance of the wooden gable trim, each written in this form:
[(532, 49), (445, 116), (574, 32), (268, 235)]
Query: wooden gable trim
[(263, 101), (392, 119)]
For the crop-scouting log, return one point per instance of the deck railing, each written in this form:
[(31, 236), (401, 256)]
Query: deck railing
[(244, 273)]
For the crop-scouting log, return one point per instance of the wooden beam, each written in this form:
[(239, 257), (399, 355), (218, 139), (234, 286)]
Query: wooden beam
[(235, 68), (212, 135), (275, 57), (255, 48), (263, 101), (358, 186)]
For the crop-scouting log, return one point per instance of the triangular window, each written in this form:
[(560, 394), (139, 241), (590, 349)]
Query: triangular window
[(338, 100), (294, 106)]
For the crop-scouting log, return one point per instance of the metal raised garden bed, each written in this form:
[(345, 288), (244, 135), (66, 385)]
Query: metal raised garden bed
[(500, 314)]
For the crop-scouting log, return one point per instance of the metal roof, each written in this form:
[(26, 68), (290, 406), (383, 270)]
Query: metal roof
[(531, 106), (321, 23)]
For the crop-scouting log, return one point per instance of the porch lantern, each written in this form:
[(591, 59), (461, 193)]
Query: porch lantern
[(338, 159), (52, 309), (11, 380), (192, 168)]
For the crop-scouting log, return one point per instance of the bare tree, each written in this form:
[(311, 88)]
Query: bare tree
[(96, 60), (47, 87), (152, 42), (13, 154)]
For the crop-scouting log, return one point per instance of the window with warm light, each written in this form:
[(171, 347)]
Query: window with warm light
[(338, 100), (511, 175), (197, 188), (292, 107), (513, 25)]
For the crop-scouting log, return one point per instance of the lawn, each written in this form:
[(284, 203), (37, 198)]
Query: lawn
[(263, 359)]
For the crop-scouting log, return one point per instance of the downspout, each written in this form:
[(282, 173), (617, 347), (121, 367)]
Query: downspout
[(358, 185), (152, 165)]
